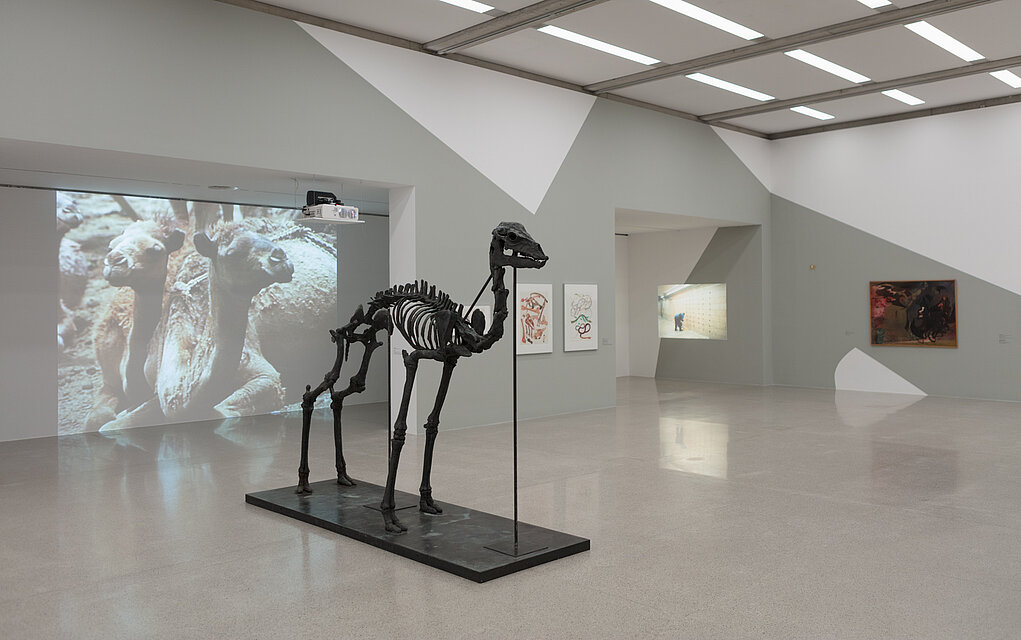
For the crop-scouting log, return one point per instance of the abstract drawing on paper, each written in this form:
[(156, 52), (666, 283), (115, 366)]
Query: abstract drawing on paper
[(533, 314), (581, 324)]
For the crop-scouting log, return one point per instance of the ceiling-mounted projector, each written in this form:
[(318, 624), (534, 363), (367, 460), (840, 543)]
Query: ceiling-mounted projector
[(323, 205)]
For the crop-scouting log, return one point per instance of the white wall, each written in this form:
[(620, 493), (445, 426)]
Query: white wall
[(622, 284), (28, 314), (943, 186), (665, 257), (403, 268), (249, 68), (362, 270)]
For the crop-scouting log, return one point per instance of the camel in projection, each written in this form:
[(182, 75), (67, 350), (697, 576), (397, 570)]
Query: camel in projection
[(204, 361), (137, 263), (74, 271), (309, 301), (269, 353), (436, 328)]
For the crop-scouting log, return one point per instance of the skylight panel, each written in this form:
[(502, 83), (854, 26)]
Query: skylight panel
[(906, 98), (599, 45), (941, 39), (470, 5), (730, 86), (875, 4), (826, 65), (710, 18), (807, 111), (1008, 77)]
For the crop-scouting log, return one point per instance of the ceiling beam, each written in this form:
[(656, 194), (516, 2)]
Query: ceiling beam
[(679, 114), (404, 43), (342, 27), (896, 117), (538, 13), (866, 88), (786, 43), (326, 23)]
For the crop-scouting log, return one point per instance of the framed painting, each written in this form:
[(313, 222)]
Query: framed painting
[(581, 321), (533, 314), (913, 313)]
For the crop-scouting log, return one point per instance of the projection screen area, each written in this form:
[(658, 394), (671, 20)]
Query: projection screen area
[(693, 311)]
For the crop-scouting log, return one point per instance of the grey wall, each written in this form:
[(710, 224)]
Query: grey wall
[(362, 270), (733, 256), (621, 259), (201, 80), (819, 315), (662, 257), (28, 314)]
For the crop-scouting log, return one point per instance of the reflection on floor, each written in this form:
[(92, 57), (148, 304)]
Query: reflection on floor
[(714, 512)]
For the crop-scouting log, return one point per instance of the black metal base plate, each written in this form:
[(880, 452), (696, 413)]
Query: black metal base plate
[(454, 541)]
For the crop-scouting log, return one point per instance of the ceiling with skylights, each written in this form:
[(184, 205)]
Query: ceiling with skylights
[(771, 68)]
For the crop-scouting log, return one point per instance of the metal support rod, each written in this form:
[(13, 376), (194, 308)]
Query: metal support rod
[(514, 375), (481, 291), (389, 397)]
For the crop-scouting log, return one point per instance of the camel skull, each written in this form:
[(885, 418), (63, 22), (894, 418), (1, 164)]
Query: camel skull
[(244, 261), (139, 254), (512, 246)]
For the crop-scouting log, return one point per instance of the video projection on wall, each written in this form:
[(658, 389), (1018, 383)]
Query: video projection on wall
[(175, 311), (693, 311)]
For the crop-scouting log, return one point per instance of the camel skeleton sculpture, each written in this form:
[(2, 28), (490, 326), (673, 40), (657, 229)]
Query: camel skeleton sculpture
[(436, 328)]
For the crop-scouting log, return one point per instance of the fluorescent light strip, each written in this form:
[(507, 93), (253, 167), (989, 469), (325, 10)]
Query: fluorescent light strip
[(605, 47), (826, 65), (709, 18), (875, 4), (730, 86), (906, 98), (940, 39), (1008, 77), (818, 115), (470, 5)]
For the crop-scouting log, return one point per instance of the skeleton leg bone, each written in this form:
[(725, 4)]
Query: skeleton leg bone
[(432, 425), (387, 506), (357, 385), (308, 401)]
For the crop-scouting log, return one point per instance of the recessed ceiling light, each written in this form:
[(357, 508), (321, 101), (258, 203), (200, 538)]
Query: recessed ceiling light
[(940, 39), (906, 98), (818, 115), (826, 65), (599, 45), (875, 4), (470, 5), (709, 18), (1008, 77), (730, 86), (224, 187)]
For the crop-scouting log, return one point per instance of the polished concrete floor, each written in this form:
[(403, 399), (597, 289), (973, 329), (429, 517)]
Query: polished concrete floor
[(714, 512)]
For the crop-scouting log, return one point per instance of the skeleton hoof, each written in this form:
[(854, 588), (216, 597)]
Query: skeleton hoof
[(393, 525), (344, 479), (429, 507), (303, 487)]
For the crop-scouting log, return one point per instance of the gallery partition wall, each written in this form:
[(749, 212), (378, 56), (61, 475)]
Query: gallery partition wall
[(560, 162)]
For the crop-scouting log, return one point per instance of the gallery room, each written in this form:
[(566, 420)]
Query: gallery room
[(517, 319)]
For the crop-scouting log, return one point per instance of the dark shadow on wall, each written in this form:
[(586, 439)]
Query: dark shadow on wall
[(734, 257)]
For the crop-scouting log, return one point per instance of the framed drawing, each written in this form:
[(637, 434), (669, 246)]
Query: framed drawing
[(581, 322), (533, 313), (913, 313)]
